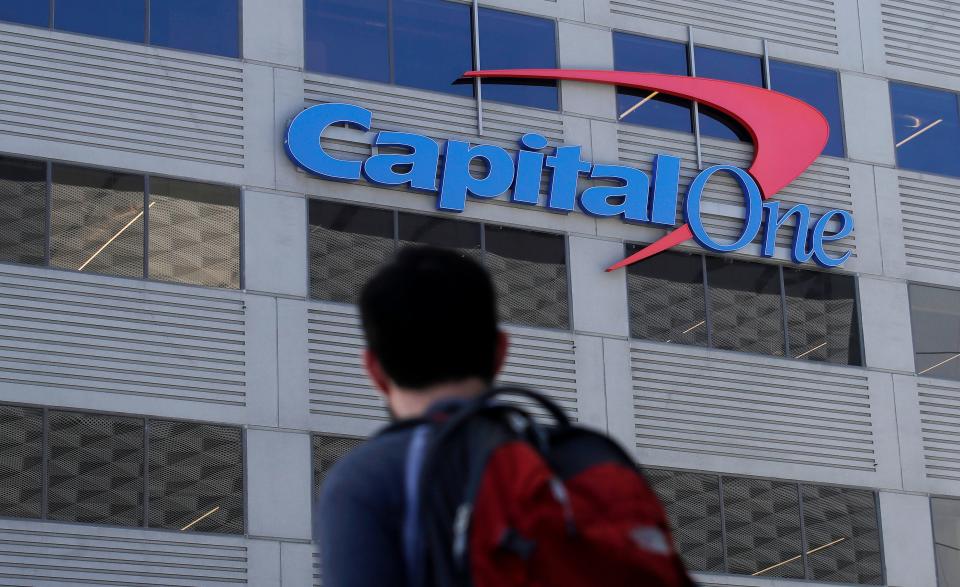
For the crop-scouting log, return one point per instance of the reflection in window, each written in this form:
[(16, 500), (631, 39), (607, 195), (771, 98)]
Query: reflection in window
[(667, 298), (643, 54), (207, 26), (926, 129), (96, 221), (819, 88), (822, 316), (745, 306), (348, 38), (440, 232), (23, 210), (124, 20), (946, 539), (734, 67), (935, 318), (432, 45), (194, 233), (501, 33), (35, 13)]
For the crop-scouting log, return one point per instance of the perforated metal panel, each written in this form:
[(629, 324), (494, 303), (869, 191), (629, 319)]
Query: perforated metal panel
[(692, 501), (341, 262), (822, 320), (746, 310), (196, 477), (327, 450), (23, 205), (842, 535), (21, 461), (95, 468), (667, 299), (762, 520)]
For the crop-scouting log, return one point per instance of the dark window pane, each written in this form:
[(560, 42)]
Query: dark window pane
[(762, 520), (529, 271), (734, 67), (348, 37), (97, 221), (196, 477), (347, 245), (642, 54), (124, 20), (23, 210), (502, 35), (32, 12), (692, 501), (935, 316), (926, 129), (95, 469), (842, 535), (667, 298), (822, 319), (745, 306), (440, 232), (194, 233), (21, 461), (946, 539), (433, 45), (205, 26), (327, 450), (819, 88)]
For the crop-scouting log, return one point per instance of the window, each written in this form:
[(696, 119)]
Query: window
[(818, 87), (210, 26), (935, 318), (97, 219), (327, 450), (692, 299), (734, 67), (348, 244), (926, 129), (93, 470), (769, 528), (643, 54), (946, 539), (428, 44)]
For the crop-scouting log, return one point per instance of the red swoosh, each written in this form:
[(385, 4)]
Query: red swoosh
[(788, 134)]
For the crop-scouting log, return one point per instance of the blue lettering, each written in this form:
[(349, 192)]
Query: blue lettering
[(457, 181), (303, 139), (526, 189), (666, 189), (751, 196), (798, 252), (634, 191), (422, 160), (567, 167), (819, 236)]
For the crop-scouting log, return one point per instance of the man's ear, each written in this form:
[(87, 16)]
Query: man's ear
[(375, 372), (500, 353)]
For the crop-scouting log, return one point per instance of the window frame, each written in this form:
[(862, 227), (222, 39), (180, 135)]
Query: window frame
[(893, 131), (708, 323), (49, 163), (145, 507)]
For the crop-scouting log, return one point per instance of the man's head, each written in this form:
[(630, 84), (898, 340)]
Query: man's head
[(430, 321)]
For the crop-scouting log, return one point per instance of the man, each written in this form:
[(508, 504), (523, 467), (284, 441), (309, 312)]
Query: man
[(430, 322)]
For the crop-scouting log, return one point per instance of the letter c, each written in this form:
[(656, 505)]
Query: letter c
[(303, 139)]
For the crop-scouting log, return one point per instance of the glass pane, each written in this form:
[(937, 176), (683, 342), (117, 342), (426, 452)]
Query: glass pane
[(433, 45), (21, 461), (327, 450), (32, 12), (935, 316), (667, 298), (529, 271), (734, 67), (194, 233), (348, 37), (642, 54), (208, 26), (842, 535), (347, 246), (926, 129), (124, 20), (501, 33), (440, 232), (822, 319), (196, 477), (946, 539), (692, 501), (745, 306), (95, 469), (23, 210), (97, 221), (819, 88), (762, 520)]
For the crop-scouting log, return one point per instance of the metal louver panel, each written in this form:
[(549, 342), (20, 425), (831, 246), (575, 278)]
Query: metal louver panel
[(196, 477), (21, 461), (95, 468), (692, 501), (842, 535), (762, 520)]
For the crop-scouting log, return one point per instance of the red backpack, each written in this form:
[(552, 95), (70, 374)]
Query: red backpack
[(495, 499)]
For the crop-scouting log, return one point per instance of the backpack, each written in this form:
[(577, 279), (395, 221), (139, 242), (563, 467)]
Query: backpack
[(496, 499)]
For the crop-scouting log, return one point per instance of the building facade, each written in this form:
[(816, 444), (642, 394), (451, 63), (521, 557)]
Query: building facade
[(179, 346)]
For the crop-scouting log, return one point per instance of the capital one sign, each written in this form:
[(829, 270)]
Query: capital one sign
[(788, 135)]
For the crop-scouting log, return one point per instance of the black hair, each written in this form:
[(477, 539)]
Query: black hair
[(430, 317)]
